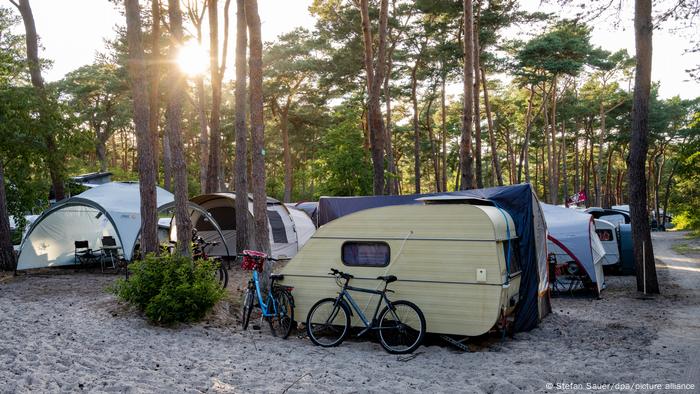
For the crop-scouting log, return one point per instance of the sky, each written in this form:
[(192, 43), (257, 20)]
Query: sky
[(73, 31)]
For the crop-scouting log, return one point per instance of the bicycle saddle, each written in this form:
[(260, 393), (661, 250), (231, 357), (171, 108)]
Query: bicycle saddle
[(388, 278), (276, 276)]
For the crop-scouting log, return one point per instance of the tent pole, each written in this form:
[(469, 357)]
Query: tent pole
[(644, 267)]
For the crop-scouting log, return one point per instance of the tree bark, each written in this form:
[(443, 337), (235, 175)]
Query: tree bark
[(197, 18), (416, 129), (443, 127), (139, 93), (477, 108), (54, 160), (492, 136), (167, 161), (241, 161), (284, 126), (214, 163), (431, 138), (554, 171), (599, 164), (525, 151), (176, 83), (467, 160), (153, 88), (392, 182), (564, 178), (262, 240), (375, 77), (7, 252), (639, 145)]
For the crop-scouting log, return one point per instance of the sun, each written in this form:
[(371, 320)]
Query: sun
[(192, 58)]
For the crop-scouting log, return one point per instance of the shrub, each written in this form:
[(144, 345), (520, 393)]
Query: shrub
[(171, 288)]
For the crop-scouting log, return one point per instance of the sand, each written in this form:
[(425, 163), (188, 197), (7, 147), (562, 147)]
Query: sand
[(61, 332)]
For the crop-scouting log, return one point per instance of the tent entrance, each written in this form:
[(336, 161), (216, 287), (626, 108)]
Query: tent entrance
[(51, 240)]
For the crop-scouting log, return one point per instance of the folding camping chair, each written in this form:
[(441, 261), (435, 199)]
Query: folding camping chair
[(111, 252), (82, 253)]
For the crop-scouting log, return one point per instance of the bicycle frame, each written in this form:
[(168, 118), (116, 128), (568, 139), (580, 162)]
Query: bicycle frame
[(263, 305), (369, 324)]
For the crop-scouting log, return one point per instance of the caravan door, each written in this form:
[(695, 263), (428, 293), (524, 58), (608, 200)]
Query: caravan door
[(608, 237)]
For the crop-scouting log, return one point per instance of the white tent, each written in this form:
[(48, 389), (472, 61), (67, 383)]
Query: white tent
[(572, 237), (288, 230), (112, 209), (303, 224)]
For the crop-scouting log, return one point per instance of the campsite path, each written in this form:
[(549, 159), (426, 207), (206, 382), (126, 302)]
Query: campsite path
[(61, 332), (683, 273)]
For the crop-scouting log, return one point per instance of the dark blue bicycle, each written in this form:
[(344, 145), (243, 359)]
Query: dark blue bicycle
[(277, 307), (400, 325)]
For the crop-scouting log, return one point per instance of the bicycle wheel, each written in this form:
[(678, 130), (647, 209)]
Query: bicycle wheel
[(328, 322), (247, 307), (285, 312), (223, 275), (401, 330)]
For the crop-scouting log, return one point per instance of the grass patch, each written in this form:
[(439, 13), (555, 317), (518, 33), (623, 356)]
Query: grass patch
[(686, 248)]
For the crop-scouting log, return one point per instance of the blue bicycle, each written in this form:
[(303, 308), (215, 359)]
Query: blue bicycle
[(277, 307)]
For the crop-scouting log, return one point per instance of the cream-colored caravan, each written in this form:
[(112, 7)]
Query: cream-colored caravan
[(450, 260)]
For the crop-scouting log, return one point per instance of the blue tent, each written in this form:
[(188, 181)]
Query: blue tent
[(518, 200)]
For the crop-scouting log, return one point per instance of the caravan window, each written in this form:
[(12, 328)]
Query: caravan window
[(514, 261), (366, 254), (604, 234)]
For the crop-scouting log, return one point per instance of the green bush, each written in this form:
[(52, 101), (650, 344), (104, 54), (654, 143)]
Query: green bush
[(171, 289)]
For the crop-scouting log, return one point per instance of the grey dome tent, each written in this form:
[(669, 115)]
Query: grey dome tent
[(112, 209), (288, 229)]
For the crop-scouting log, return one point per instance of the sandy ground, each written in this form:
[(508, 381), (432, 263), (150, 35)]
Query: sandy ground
[(61, 332)]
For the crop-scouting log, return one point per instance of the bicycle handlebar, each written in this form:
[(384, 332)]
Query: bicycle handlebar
[(256, 257), (342, 274)]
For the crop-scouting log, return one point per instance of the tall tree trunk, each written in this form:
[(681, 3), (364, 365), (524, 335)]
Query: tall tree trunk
[(565, 179), (214, 164), (101, 153), (577, 177), (511, 156), (139, 94), (669, 181), (608, 182), (659, 161), (241, 162), (54, 160), (375, 77), (548, 143), (284, 125), (467, 161), (167, 160), (203, 134), (443, 127), (477, 108), (525, 151), (7, 252), (639, 144), (599, 163), (433, 150), (392, 182), (154, 81), (416, 129), (174, 119), (262, 239), (492, 135)]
